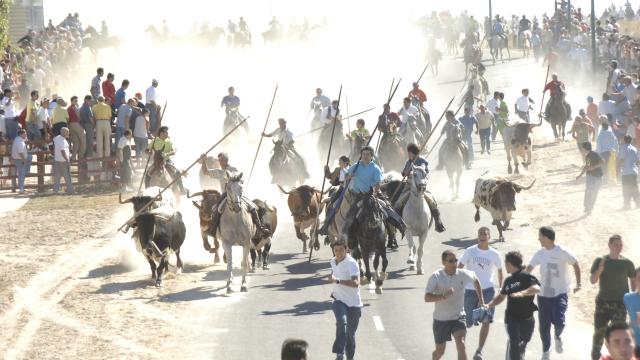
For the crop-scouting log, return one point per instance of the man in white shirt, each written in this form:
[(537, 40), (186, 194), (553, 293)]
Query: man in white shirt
[(407, 110), (286, 136), (554, 263), (21, 159), (522, 105), (347, 304), (446, 288), (152, 104), (483, 260), (492, 106), (62, 162)]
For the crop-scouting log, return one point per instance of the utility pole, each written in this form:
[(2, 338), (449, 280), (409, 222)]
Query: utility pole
[(490, 21), (569, 17), (594, 51)]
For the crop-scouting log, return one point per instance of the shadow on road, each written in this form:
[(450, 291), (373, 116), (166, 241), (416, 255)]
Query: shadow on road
[(304, 267), (199, 293), (107, 270), (303, 309), (116, 287), (296, 284), (461, 243)]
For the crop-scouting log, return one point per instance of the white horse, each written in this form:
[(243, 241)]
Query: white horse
[(417, 216), (335, 228), (235, 228)]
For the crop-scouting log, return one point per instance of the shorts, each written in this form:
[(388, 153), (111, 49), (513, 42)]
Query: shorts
[(442, 330), (471, 303)]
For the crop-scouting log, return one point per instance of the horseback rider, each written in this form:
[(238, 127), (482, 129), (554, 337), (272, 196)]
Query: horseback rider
[(407, 110), (556, 91), (104, 31), (242, 25), (231, 28), (453, 130), (320, 101), (337, 179), (386, 120), (163, 144), (274, 25), (415, 159), (231, 103), (333, 113), (284, 135), (498, 29), (221, 175), (363, 177)]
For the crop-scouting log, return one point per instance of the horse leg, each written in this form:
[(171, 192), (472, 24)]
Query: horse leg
[(412, 247), (161, 268), (265, 256), (216, 249), (509, 168), (228, 254), (245, 266), (367, 269), (422, 239), (376, 262), (253, 260)]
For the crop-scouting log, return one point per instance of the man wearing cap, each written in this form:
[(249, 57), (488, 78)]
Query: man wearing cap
[(284, 135), (102, 116), (152, 105), (163, 144), (223, 174)]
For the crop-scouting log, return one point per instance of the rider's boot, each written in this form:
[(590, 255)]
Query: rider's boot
[(261, 229), (215, 221), (435, 212)]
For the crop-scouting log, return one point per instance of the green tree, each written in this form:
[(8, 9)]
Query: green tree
[(4, 22)]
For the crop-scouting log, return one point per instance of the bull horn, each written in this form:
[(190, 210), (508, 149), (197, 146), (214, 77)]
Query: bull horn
[(189, 196), (198, 206), (123, 202), (528, 187), (283, 190)]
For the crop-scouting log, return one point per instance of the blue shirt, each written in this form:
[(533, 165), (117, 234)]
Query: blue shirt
[(468, 121), (606, 141), (231, 101), (419, 161), (120, 98), (632, 303), (366, 177), (123, 112), (629, 156)]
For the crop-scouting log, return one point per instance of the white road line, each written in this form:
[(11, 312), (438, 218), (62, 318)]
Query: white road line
[(378, 323), (372, 288)]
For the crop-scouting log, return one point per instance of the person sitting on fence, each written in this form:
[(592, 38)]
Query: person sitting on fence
[(62, 161), (123, 159)]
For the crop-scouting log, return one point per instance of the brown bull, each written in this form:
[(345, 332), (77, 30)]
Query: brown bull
[(498, 196), (517, 144), (205, 208), (304, 204), (260, 246)]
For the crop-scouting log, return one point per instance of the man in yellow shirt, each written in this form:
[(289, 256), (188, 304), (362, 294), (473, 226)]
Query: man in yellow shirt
[(33, 130), (59, 117), (102, 122), (163, 144)]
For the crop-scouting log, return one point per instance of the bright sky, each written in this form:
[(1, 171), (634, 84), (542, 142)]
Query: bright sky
[(121, 15)]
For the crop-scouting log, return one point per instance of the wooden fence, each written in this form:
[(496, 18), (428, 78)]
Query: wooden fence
[(40, 176)]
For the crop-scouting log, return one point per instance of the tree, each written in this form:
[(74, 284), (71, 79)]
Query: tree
[(4, 22)]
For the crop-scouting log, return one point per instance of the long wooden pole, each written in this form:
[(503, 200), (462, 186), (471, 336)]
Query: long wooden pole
[(546, 78), (343, 119), (146, 166), (422, 74), (182, 174), (324, 178), (261, 137)]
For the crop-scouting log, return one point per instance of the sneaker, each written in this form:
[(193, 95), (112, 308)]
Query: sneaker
[(340, 357), (477, 355), (559, 348), (546, 355)]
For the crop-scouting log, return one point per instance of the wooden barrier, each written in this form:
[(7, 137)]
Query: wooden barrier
[(83, 171)]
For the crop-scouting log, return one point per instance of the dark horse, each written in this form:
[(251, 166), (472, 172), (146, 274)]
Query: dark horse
[(340, 144), (95, 41), (370, 231), (559, 113), (391, 152), (286, 167)]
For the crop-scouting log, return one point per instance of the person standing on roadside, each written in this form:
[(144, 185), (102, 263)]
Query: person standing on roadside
[(483, 260), (347, 304), (446, 287), (554, 261), (519, 289), (613, 273)]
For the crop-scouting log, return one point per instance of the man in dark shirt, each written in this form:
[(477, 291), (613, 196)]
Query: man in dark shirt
[(520, 289), (613, 273), (593, 168)]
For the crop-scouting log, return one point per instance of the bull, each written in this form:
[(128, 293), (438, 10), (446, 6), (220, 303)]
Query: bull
[(159, 232), (498, 196), (305, 206), (260, 245), (206, 206), (517, 144)]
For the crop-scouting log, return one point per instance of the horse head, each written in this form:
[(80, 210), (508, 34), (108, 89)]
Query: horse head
[(418, 179), (233, 188)]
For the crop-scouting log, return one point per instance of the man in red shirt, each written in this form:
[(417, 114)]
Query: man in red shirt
[(108, 89), (418, 93), (556, 90), (78, 135)]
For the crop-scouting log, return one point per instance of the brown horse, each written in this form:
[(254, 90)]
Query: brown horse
[(391, 152)]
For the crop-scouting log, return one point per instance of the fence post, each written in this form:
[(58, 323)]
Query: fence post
[(40, 159)]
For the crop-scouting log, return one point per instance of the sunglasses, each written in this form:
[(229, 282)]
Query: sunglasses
[(452, 261)]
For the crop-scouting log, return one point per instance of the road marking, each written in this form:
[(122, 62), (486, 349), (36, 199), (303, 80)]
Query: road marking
[(378, 323), (372, 288)]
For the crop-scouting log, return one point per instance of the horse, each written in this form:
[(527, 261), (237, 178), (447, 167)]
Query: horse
[(471, 51), (94, 41), (412, 134), (559, 113), (417, 216), (285, 168), (453, 164), (236, 228), (433, 57), (391, 152), (213, 36), (369, 229), (159, 176), (242, 39), (496, 44), (340, 144), (525, 42), (451, 38), (357, 143), (272, 35), (231, 120), (335, 229)]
